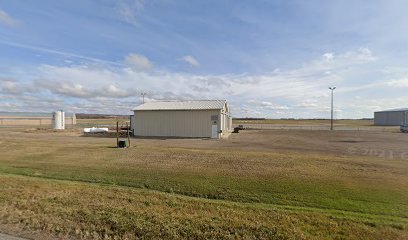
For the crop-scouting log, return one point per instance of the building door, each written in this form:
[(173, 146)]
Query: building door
[(214, 129), (214, 126)]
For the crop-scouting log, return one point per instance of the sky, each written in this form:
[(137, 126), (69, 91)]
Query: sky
[(267, 58)]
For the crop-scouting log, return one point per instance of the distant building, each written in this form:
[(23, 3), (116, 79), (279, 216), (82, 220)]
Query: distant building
[(393, 117), (195, 119)]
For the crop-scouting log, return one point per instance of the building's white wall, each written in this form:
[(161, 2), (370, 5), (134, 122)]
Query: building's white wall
[(225, 120), (173, 123)]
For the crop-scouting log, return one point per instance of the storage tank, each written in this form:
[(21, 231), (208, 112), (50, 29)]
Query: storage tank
[(73, 119), (58, 120)]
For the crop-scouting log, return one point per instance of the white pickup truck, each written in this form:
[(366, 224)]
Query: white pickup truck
[(404, 127)]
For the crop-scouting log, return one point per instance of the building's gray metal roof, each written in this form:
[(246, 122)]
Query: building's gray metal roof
[(395, 110), (183, 105)]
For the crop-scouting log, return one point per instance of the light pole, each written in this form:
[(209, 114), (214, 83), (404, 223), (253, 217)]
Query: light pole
[(331, 120), (143, 94)]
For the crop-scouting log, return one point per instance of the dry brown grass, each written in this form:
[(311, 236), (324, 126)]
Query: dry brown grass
[(300, 122), (102, 121), (67, 209), (149, 189)]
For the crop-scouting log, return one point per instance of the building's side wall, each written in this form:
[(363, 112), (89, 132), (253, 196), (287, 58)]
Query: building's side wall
[(380, 118), (172, 123), (392, 118), (132, 124), (225, 120)]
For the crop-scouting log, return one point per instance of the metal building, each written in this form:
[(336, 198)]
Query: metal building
[(198, 118), (393, 117)]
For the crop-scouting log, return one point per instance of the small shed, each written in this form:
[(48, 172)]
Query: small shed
[(393, 117), (189, 119)]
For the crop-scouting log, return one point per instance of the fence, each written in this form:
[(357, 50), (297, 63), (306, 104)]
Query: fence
[(33, 121), (316, 127)]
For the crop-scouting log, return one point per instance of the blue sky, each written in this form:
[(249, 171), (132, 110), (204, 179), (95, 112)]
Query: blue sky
[(267, 58)]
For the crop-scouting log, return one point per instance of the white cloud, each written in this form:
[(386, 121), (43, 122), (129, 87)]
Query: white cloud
[(129, 10), (402, 82), (63, 88), (328, 56), (398, 77), (285, 93), (9, 86), (138, 62), (362, 55), (60, 53), (190, 60), (307, 104), (7, 20), (267, 105)]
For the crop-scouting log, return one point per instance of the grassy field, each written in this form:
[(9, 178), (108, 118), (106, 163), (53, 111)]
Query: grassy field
[(101, 122), (82, 187), (300, 122)]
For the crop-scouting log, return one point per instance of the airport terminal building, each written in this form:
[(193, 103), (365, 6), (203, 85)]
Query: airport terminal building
[(195, 119), (393, 117)]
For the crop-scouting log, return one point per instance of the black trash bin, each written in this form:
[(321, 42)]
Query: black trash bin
[(122, 144)]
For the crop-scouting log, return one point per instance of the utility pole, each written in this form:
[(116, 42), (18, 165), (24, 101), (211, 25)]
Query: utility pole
[(331, 120), (143, 95)]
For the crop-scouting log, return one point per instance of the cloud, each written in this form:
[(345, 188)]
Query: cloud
[(328, 56), (267, 105), (190, 60), (129, 11), (63, 88), (294, 92), (398, 77), (208, 83), (402, 82), (138, 62), (60, 53), (7, 20), (307, 104), (11, 86), (362, 55)]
